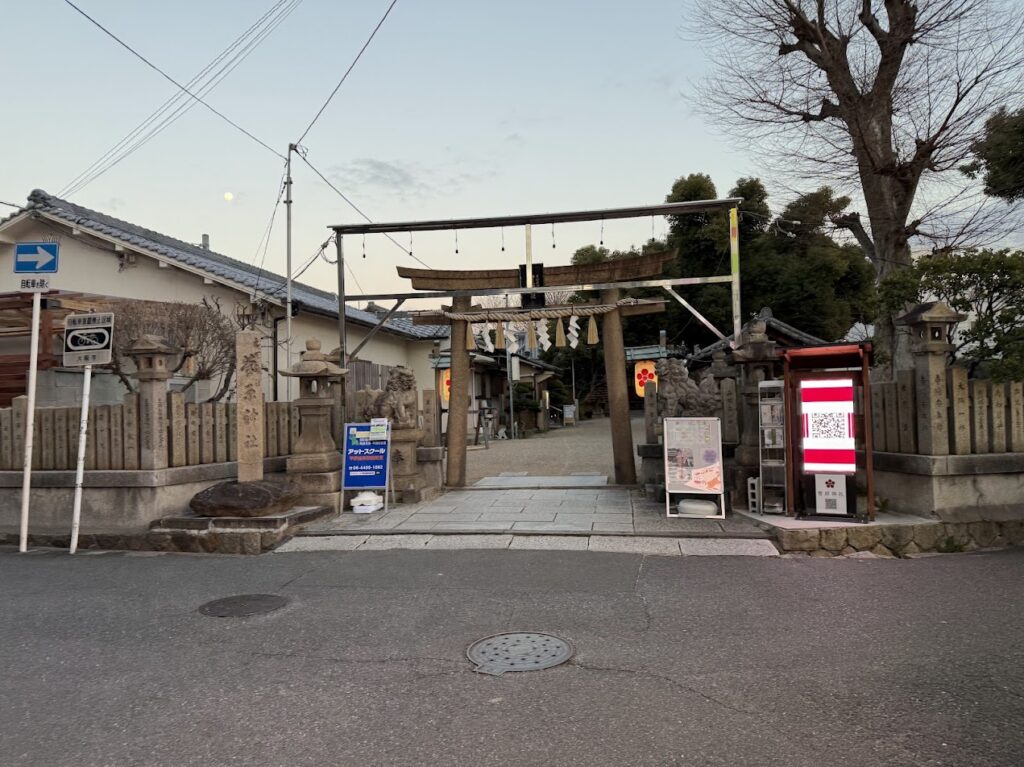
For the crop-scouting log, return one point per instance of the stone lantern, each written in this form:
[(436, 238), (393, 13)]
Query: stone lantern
[(930, 325), (152, 357), (315, 462)]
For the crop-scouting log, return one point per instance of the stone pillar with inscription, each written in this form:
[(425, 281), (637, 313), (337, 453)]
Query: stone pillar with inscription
[(152, 358), (755, 357), (725, 376), (930, 325), (249, 398)]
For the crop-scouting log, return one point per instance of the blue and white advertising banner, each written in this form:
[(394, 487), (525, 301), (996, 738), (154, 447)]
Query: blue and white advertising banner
[(367, 448)]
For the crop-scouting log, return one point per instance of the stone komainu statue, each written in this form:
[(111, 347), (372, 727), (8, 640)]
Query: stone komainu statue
[(679, 395), (398, 402)]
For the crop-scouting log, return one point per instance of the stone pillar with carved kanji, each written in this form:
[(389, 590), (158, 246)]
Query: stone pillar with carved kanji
[(249, 402), (755, 356), (315, 464), (152, 357)]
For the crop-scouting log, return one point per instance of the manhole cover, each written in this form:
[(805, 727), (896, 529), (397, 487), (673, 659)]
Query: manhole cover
[(243, 605), (519, 651)]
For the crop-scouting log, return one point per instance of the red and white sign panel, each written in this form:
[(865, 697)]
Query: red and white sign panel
[(826, 409)]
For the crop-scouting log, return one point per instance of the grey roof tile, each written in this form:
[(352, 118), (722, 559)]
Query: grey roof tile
[(216, 264)]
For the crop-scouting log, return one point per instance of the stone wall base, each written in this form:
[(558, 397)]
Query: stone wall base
[(901, 540), (954, 488)]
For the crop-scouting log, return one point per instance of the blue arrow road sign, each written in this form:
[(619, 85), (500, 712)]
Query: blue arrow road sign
[(36, 257)]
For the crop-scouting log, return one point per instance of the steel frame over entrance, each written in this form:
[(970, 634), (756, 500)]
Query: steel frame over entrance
[(622, 444)]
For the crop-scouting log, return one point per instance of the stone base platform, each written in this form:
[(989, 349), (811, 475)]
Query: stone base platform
[(232, 535)]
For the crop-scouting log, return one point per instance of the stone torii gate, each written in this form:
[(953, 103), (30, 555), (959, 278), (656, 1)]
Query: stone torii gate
[(608, 278)]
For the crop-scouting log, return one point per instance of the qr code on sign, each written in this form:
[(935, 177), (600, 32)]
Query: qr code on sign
[(827, 425), (830, 504)]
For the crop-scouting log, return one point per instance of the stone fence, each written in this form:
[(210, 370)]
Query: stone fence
[(980, 417), (194, 434)]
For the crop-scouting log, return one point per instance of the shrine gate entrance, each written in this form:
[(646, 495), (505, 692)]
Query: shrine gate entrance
[(608, 279)]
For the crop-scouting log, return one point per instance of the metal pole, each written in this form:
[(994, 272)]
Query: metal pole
[(342, 349), (734, 247), (83, 429), (342, 355), (529, 256), (511, 404), (30, 417), (288, 269)]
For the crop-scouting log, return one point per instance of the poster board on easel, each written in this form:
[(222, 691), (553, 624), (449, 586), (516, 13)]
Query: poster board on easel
[(694, 464), (367, 457)]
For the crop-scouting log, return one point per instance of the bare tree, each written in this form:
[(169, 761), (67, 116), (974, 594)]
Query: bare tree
[(205, 335), (882, 96)]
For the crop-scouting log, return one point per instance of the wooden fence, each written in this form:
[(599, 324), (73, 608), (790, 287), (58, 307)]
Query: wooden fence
[(982, 416)]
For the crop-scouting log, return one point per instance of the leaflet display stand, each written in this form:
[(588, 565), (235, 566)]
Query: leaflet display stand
[(693, 468), (771, 411)]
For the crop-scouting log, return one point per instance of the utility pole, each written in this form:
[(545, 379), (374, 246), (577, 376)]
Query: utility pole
[(288, 268), (341, 301)]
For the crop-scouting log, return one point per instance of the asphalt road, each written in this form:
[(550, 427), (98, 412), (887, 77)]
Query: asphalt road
[(680, 661)]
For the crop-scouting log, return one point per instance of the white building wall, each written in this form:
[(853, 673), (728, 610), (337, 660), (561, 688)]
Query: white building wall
[(92, 269)]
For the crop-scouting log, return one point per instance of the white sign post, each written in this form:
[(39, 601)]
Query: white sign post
[(87, 341), (32, 258), (30, 418)]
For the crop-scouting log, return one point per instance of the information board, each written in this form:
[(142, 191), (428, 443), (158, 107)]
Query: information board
[(367, 449), (694, 461)]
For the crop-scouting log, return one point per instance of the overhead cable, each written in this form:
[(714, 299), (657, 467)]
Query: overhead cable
[(171, 80), (348, 71), (360, 212), (203, 82)]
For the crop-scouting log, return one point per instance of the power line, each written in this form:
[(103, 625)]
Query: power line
[(170, 79), (360, 212), (11, 204), (265, 240), (143, 133), (348, 71)]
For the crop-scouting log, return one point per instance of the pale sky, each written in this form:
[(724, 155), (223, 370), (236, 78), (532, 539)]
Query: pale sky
[(458, 108)]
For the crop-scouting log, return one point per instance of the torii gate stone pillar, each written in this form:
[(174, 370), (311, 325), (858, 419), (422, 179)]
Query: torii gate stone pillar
[(618, 393), (458, 401)]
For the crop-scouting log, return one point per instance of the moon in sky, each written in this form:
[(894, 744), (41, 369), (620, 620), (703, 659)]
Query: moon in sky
[(228, 196)]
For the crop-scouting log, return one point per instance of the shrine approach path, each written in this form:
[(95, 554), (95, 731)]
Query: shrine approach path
[(582, 449)]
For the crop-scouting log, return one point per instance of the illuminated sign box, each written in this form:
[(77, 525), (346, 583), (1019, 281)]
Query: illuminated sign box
[(827, 426)]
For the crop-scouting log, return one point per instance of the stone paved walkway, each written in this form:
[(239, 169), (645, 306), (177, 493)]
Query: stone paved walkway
[(605, 510)]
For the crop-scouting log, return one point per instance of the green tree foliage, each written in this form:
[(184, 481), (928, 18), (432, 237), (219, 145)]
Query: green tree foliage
[(790, 264), (807, 278), (999, 156), (986, 285)]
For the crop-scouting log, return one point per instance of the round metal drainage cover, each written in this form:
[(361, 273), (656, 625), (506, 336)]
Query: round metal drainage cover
[(518, 651), (243, 605)]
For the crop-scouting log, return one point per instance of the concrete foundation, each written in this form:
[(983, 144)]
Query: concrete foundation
[(113, 502)]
